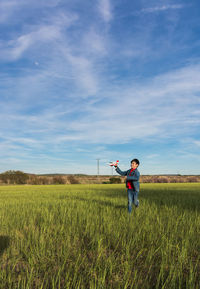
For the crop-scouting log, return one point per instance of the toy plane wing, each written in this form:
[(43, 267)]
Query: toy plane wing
[(114, 163)]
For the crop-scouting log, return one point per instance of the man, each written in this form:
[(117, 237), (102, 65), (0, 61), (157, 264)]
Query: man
[(132, 183)]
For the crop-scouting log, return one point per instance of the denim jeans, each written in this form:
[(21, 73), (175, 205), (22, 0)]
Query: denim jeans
[(132, 198)]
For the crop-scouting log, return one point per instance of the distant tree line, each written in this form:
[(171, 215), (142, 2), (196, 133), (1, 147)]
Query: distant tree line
[(159, 179), (20, 178), (14, 177), (170, 179)]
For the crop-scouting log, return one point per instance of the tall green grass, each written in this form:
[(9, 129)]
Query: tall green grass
[(81, 236)]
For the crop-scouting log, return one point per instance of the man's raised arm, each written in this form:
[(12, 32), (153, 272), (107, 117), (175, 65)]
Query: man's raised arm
[(120, 172)]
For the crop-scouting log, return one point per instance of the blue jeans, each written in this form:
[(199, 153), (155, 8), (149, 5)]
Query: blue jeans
[(132, 198)]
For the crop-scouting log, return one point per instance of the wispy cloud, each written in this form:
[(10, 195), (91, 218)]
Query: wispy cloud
[(105, 10), (157, 108), (94, 43), (197, 142), (37, 35), (8, 8), (152, 156), (83, 72), (162, 8)]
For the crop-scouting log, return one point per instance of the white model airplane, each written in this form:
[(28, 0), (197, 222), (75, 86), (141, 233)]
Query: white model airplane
[(113, 163)]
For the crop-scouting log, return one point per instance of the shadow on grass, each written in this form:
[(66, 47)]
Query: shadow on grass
[(183, 198), (99, 202), (4, 243)]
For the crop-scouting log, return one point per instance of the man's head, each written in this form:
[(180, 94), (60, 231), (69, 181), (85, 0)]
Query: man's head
[(135, 163)]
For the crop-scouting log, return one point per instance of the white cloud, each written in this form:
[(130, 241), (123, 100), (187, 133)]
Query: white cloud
[(162, 107), (38, 35), (7, 8), (94, 43), (153, 156), (82, 72), (161, 8), (10, 9), (67, 59), (158, 108), (105, 10), (197, 143)]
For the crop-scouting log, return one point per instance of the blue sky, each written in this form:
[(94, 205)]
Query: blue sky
[(81, 80)]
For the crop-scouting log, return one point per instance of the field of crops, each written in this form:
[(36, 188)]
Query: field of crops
[(81, 236)]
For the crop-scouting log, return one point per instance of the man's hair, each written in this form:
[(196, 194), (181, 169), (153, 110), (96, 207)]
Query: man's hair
[(136, 161)]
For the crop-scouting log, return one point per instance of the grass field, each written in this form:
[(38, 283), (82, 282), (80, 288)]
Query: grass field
[(81, 236)]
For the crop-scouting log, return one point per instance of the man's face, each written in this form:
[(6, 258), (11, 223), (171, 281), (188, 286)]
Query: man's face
[(134, 165)]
